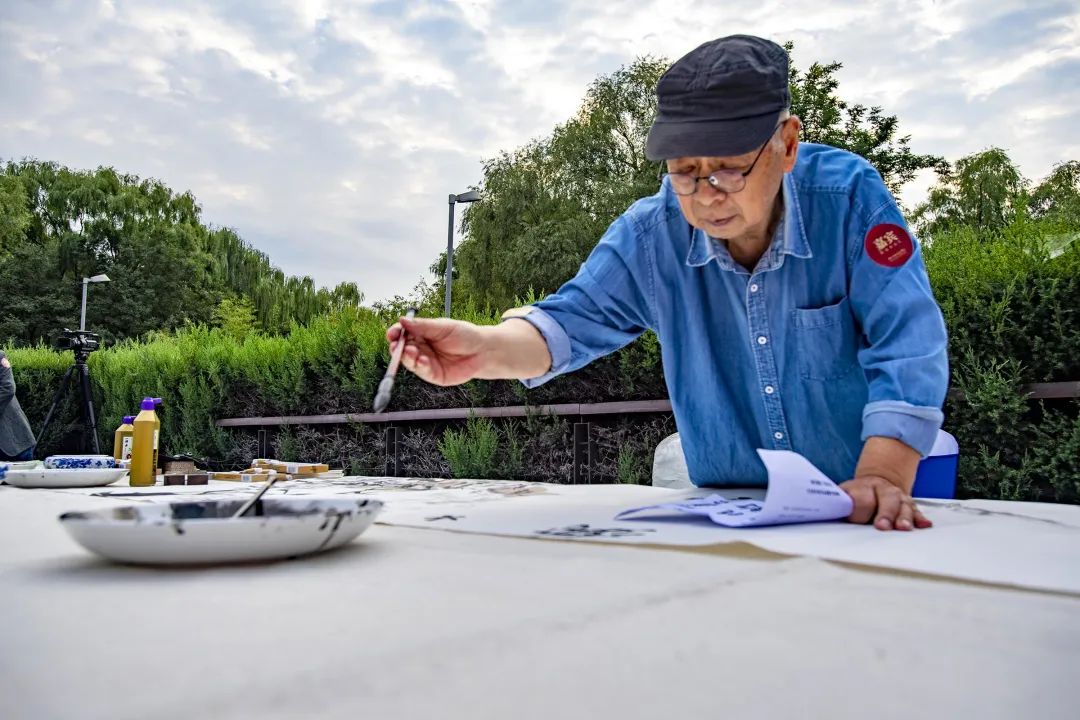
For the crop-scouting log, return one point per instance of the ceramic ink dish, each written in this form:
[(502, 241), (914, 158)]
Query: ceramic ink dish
[(54, 478), (204, 532)]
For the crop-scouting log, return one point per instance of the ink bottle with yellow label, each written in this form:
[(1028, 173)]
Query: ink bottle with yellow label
[(123, 439)]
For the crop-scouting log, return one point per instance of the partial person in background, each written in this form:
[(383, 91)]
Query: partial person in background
[(16, 438)]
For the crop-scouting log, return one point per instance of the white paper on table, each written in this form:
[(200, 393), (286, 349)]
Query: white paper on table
[(798, 493), (1028, 545)]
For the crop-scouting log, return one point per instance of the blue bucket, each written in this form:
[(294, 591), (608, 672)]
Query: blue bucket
[(936, 476)]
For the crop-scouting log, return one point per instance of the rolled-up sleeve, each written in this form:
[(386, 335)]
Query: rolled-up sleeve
[(905, 350), (605, 306), (557, 340)]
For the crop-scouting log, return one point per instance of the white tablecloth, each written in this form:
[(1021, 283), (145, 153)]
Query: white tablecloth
[(408, 623)]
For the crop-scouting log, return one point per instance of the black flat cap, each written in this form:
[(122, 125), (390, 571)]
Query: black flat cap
[(722, 99)]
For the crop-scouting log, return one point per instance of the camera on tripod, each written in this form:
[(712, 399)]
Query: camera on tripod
[(80, 341)]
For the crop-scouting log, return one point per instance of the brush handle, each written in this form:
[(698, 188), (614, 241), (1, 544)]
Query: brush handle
[(251, 503), (382, 396), (395, 355)]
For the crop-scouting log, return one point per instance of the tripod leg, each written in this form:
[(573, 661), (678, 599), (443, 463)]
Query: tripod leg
[(55, 403), (88, 408)]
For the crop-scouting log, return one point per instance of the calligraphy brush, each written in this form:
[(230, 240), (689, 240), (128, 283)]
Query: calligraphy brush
[(251, 503), (382, 397)]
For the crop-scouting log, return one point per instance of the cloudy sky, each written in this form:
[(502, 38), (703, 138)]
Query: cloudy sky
[(329, 133)]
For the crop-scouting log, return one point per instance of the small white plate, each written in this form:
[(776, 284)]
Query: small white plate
[(204, 532), (7, 466), (83, 477), (20, 464)]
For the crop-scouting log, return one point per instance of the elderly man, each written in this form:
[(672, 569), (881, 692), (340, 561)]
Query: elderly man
[(16, 437), (791, 303)]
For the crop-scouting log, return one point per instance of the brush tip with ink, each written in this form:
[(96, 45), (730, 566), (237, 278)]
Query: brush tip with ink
[(382, 397)]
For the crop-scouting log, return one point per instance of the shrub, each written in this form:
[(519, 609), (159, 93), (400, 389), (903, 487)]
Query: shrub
[(1011, 301), (628, 467), (471, 450)]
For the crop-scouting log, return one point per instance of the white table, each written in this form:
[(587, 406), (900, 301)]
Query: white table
[(408, 623)]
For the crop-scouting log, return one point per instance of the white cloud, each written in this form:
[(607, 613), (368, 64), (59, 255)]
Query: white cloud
[(1061, 43), (310, 12), (246, 134), (175, 30), (97, 136), (397, 57), (329, 132)]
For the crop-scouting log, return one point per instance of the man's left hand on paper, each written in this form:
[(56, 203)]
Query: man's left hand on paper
[(887, 505)]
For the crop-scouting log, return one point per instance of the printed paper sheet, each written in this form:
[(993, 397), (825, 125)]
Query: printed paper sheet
[(798, 493)]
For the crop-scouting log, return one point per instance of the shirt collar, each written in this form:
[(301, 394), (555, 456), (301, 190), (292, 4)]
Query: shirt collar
[(788, 239)]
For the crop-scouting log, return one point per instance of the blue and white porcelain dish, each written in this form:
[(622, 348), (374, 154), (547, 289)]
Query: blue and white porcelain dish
[(80, 462)]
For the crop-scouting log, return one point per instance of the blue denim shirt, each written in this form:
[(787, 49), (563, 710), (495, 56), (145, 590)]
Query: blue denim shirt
[(816, 350)]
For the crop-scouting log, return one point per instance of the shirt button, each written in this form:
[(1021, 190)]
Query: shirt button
[(769, 389), (762, 340), (778, 435), (753, 288)]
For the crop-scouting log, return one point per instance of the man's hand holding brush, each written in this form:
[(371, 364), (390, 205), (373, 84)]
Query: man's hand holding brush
[(450, 352)]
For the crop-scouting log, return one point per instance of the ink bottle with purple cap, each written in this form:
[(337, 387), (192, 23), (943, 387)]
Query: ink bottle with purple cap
[(123, 439), (145, 442)]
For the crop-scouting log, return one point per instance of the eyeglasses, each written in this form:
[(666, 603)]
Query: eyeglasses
[(726, 181)]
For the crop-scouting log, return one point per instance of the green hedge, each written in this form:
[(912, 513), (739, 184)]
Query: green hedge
[(1011, 302), (332, 365)]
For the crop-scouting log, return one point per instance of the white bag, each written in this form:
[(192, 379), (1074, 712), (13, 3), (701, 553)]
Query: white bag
[(669, 464)]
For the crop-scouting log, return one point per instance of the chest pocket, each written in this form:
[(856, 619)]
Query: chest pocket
[(825, 341)]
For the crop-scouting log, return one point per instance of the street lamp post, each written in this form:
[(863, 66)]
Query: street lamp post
[(85, 282), (466, 197)]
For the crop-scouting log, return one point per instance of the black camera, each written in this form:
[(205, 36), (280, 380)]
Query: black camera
[(79, 341)]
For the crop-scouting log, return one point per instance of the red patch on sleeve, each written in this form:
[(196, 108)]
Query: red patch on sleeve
[(889, 245)]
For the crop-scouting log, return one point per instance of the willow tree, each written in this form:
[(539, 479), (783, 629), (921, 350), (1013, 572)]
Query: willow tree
[(984, 191), (1058, 195), (75, 224), (167, 267)]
